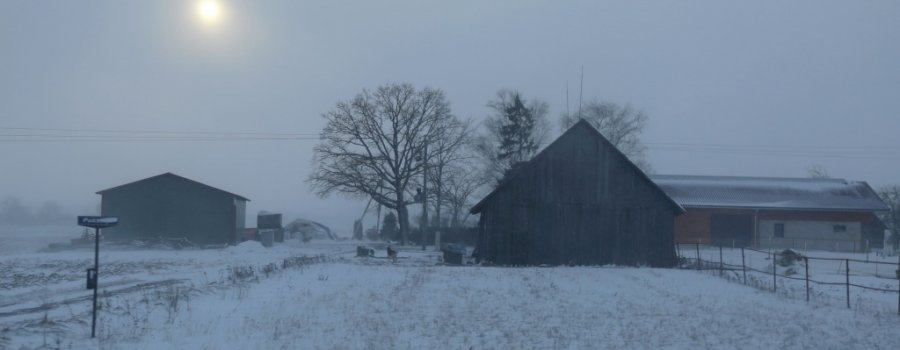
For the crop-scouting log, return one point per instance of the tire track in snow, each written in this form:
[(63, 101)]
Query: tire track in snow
[(52, 305)]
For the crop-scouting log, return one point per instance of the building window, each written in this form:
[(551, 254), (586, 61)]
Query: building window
[(779, 230), (840, 228)]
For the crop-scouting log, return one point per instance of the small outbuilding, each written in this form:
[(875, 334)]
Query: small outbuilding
[(169, 206), (579, 201)]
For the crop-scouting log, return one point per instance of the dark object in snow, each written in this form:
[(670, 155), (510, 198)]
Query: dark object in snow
[(453, 253), (271, 221), (392, 254), (363, 251), (788, 257), (91, 278)]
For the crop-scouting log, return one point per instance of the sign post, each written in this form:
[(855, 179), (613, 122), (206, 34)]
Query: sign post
[(97, 222)]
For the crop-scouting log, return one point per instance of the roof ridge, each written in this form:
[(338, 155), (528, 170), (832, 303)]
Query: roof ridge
[(177, 176), (757, 178)]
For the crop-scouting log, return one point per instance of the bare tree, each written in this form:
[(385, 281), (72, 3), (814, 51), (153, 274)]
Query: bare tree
[(891, 196), (461, 185), (446, 150), (817, 171), (514, 133), (371, 145), (621, 125)]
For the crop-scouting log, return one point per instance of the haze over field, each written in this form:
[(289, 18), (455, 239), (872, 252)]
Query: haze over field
[(763, 88)]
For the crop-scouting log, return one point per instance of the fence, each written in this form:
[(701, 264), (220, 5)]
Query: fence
[(829, 274), (833, 245)]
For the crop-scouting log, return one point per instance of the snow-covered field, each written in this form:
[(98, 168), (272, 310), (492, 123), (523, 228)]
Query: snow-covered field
[(873, 278), (244, 297)]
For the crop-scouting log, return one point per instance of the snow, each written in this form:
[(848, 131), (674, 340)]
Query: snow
[(761, 192), (878, 273), (187, 299)]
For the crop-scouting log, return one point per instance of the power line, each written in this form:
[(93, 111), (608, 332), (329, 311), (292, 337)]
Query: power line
[(71, 138), (62, 135), (35, 135), (783, 153), (768, 146), (158, 132)]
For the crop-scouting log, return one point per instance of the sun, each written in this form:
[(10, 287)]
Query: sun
[(209, 10)]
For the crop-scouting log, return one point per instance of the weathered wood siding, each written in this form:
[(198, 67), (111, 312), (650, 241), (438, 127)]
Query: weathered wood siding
[(578, 202)]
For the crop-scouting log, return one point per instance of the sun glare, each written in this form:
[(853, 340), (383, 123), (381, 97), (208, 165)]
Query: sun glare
[(209, 10)]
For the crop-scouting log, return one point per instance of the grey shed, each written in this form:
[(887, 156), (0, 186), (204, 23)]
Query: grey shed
[(172, 207)]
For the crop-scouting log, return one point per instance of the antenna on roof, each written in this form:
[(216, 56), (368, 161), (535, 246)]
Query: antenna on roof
[(567, 100), (580, 91)]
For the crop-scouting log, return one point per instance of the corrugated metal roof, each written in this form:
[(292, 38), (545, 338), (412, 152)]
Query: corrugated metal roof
[(770, 193), (177, 177)]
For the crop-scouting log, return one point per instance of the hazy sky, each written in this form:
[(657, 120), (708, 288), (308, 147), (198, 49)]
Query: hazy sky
[(731, 88)]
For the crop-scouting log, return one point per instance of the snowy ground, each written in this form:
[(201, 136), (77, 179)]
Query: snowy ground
[(868, 272), (207, 299)]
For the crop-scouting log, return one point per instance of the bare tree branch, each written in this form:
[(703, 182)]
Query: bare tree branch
[(369, 145), (621, 125)]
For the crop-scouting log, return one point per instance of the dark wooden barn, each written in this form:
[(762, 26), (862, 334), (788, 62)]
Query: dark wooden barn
[(169, 206), (579, 201)]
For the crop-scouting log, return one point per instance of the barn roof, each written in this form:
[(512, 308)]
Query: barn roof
[(177, 177), (770, 193), (581, 124)]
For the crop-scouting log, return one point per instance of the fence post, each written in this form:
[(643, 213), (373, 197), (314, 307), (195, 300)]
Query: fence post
[(867, 250), (721, 266), (806, 259), (743, 265), (847, 274), (698, 256), (774, 275)]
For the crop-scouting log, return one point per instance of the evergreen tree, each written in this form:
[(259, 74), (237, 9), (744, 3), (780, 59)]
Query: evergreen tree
[(517, 139), (513, 134), (389, 229)]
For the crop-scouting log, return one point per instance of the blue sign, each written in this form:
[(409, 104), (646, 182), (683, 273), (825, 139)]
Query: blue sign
[(97, 221)]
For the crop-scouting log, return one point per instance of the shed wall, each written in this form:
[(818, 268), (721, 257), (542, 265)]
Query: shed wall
[(169, 207)]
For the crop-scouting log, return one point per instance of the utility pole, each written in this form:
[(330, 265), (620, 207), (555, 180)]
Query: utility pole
[(580, 92), (424, 228)]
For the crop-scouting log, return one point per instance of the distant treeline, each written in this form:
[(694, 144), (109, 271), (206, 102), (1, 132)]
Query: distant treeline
[(14, 212)]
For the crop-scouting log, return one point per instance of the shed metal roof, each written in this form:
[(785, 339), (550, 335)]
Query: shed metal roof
[(182, 178), (770, 193)]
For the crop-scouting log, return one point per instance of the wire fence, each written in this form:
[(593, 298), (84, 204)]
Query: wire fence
[(825, 244), (829, 274)]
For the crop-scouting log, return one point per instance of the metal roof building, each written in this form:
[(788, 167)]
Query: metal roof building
[(770, 193), (832, 214), (168, 206)]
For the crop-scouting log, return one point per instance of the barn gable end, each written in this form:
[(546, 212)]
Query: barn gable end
[(579, 201)]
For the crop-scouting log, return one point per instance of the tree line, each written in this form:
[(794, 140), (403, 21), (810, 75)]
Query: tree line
[(397, 145), (15, 212)]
